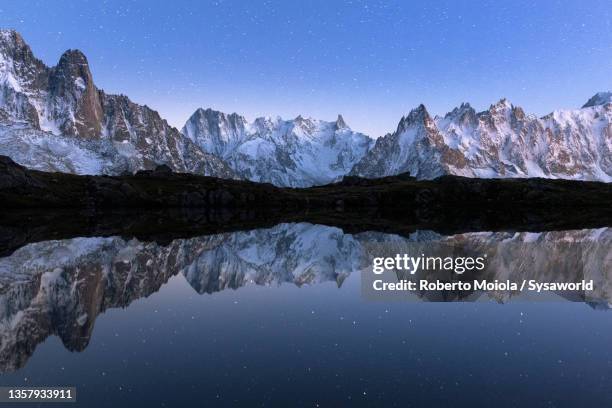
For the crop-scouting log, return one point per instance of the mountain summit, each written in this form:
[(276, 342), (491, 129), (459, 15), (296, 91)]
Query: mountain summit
[(502, 141), (56, 119), (297, 153)]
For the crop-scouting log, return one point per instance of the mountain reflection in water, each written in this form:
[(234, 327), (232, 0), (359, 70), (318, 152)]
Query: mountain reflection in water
[(60, 287)]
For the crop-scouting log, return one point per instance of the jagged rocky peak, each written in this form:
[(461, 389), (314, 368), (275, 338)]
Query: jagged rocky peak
[(215, 121), (20, 71), (215, 131), (417, 116), (502, 104), (460, 110), (340, 123), (298, 152), (502, 112), (73, 70), (11, 37), (74, 59), (304, 126), (62, 99), (13, 48), (501, 108), (600, 98), (462, 115), (217, 118), (419, 113), (411, 148), (71, 81), (302, 121), (263, 122), (56, 119), (502, 141)]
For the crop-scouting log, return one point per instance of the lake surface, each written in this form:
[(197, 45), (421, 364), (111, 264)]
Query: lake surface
[(282, 316)]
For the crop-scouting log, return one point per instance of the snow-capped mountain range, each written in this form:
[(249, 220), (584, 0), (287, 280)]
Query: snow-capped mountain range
[(56, 119), (298, 153), (502, 141)]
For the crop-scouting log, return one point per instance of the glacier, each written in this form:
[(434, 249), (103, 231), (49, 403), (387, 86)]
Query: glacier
[(301, 152)]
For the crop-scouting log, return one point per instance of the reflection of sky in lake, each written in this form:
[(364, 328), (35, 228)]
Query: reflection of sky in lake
[(299, 346)]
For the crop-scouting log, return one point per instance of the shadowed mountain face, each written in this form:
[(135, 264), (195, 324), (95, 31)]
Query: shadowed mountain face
[(60, 287), (476, 204)]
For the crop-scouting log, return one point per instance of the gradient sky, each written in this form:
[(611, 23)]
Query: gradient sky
[(371, 61)]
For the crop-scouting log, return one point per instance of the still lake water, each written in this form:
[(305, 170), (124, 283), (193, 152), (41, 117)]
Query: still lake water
[(279, 317)]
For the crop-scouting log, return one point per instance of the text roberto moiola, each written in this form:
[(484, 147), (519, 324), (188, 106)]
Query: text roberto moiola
[(404, 264)]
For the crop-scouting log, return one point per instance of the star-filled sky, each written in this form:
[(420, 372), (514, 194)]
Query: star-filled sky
[(372, 61)]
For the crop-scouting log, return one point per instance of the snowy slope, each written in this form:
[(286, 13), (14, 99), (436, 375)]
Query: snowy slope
[(45, 151), (56, 119), (502, 141), (298, 153), (42, 108)]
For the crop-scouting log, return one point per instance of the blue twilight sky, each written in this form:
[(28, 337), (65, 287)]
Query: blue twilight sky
[(372, 61)]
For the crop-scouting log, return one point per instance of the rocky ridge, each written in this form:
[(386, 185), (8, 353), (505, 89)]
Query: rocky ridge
[(301, 152), (56, 119), (500, 142)]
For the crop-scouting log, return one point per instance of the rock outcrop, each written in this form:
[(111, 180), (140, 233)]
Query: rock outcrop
[(501, 142), (56, 119)]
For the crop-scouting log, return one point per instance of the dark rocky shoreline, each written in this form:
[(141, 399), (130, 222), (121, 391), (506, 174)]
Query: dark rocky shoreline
[(161, 205), (161, 188)]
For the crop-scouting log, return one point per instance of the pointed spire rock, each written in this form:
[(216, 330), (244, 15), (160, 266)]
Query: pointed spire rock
[(19, 61), (504, 105), (72, 66), (340, 123), (463, 114), (460, 110), (417, 115), (73, 57), (72, 77), (63, 100)]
